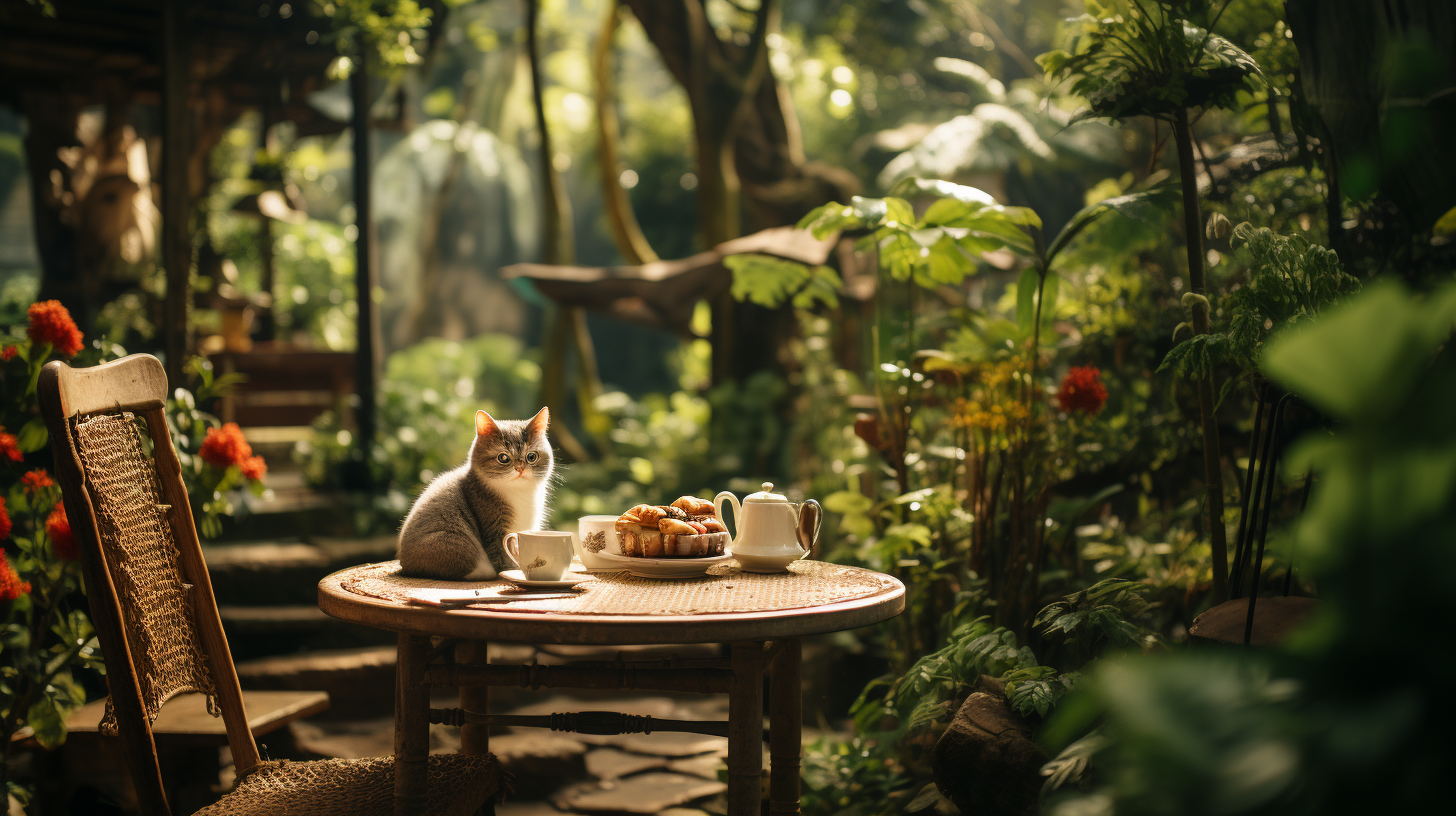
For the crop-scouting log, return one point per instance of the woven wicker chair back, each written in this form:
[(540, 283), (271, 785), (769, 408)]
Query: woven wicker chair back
[(142, 556)]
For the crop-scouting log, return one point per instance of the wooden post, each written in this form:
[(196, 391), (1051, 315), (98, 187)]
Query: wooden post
[(474, 737), (745, 730), (784, 734), (176, 238), (411, 726), (368, 349)]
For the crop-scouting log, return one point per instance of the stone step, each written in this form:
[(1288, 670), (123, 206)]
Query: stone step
[(260, 631), (360, 680), (291, 506), (285, 572)]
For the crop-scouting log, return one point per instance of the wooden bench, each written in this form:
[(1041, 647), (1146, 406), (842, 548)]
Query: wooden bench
[(185, 719)]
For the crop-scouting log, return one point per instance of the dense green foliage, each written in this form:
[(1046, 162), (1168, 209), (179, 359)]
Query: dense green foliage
[(1296, 730)]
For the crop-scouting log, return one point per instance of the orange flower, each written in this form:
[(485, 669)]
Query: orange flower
[(50, 322), (1082, 390), (58, 530), (8, 353), (254, 467), (11, 587), (4, 520), (9, 446), (36, 479), (225, 446)]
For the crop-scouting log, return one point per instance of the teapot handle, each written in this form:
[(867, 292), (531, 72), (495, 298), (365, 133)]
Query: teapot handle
[(811, 515), (737, 511)]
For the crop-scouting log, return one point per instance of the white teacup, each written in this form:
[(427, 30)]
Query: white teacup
[(543, 555), (597, 534)]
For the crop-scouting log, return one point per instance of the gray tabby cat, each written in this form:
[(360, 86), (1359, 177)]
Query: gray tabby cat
[(455, 528)]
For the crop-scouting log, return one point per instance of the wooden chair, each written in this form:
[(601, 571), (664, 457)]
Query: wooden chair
[(153, 609)]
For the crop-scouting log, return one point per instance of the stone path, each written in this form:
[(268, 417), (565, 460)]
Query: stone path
[(667, 773)]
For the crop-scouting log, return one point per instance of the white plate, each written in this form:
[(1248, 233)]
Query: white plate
[(568, 579), (670, 568)]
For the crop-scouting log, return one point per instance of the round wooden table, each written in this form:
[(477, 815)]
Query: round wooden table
[(762, 618)]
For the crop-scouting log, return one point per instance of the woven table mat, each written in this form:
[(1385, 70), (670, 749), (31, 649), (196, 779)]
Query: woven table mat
[(725, 589)]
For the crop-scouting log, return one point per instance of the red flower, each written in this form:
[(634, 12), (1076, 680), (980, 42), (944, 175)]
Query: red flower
[(254, 467), (11, 587), (36, 479), (225, 446), (9, 446), (8, 353), (1082, 390), (58, 530), (4, 520), (50, 322)]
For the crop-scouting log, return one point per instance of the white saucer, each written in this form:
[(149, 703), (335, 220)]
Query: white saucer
[(668, 568), (569, 579)]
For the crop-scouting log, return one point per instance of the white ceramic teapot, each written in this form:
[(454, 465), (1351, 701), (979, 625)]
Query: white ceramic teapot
[(773, 532)]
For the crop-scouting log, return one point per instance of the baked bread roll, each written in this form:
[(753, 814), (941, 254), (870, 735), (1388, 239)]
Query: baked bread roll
[(694, 506)]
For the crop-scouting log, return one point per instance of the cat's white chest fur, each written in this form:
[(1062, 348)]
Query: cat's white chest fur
[(526, 498)]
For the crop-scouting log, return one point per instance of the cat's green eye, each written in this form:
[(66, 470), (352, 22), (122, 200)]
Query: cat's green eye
[(531, 458), (504, 458)]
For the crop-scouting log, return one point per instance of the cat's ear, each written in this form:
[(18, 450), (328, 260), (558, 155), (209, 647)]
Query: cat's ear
[(540, 422), (484, 425)]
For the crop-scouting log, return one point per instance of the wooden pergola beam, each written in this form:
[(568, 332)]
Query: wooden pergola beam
[(176, 201), (368, 350)]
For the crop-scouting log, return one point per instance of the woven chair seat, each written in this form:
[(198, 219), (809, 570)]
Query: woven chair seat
[(458, 786)]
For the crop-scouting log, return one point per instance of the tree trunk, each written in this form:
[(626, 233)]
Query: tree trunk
[(566, 323), (626, 232), (1212, 459)]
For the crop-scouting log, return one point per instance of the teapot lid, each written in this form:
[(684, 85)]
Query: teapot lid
[(766, 495)]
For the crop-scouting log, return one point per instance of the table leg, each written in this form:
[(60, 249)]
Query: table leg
[(474, 738), (411, 726), (784, 729), (745, 730)]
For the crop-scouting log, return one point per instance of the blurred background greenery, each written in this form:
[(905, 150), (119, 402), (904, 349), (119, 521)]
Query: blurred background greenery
[(918, 385)]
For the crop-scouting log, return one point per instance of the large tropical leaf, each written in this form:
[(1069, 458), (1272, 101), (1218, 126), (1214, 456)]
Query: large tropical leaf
[(991, 137), (1145, 59), (1148, 206)]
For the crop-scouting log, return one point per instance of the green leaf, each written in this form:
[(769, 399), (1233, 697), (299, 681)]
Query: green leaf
[(1026, 299), (764, 279), (828, 218), (822, 286), (944, 189), (948, 212), (1050, 290), (1446, 224), (916, 533), (1364, 357), (32, 437), (899, 211), (1149, 206), (946, 262)]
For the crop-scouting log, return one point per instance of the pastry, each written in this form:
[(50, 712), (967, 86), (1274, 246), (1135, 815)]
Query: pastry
[(694, 506), (689, 528)]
